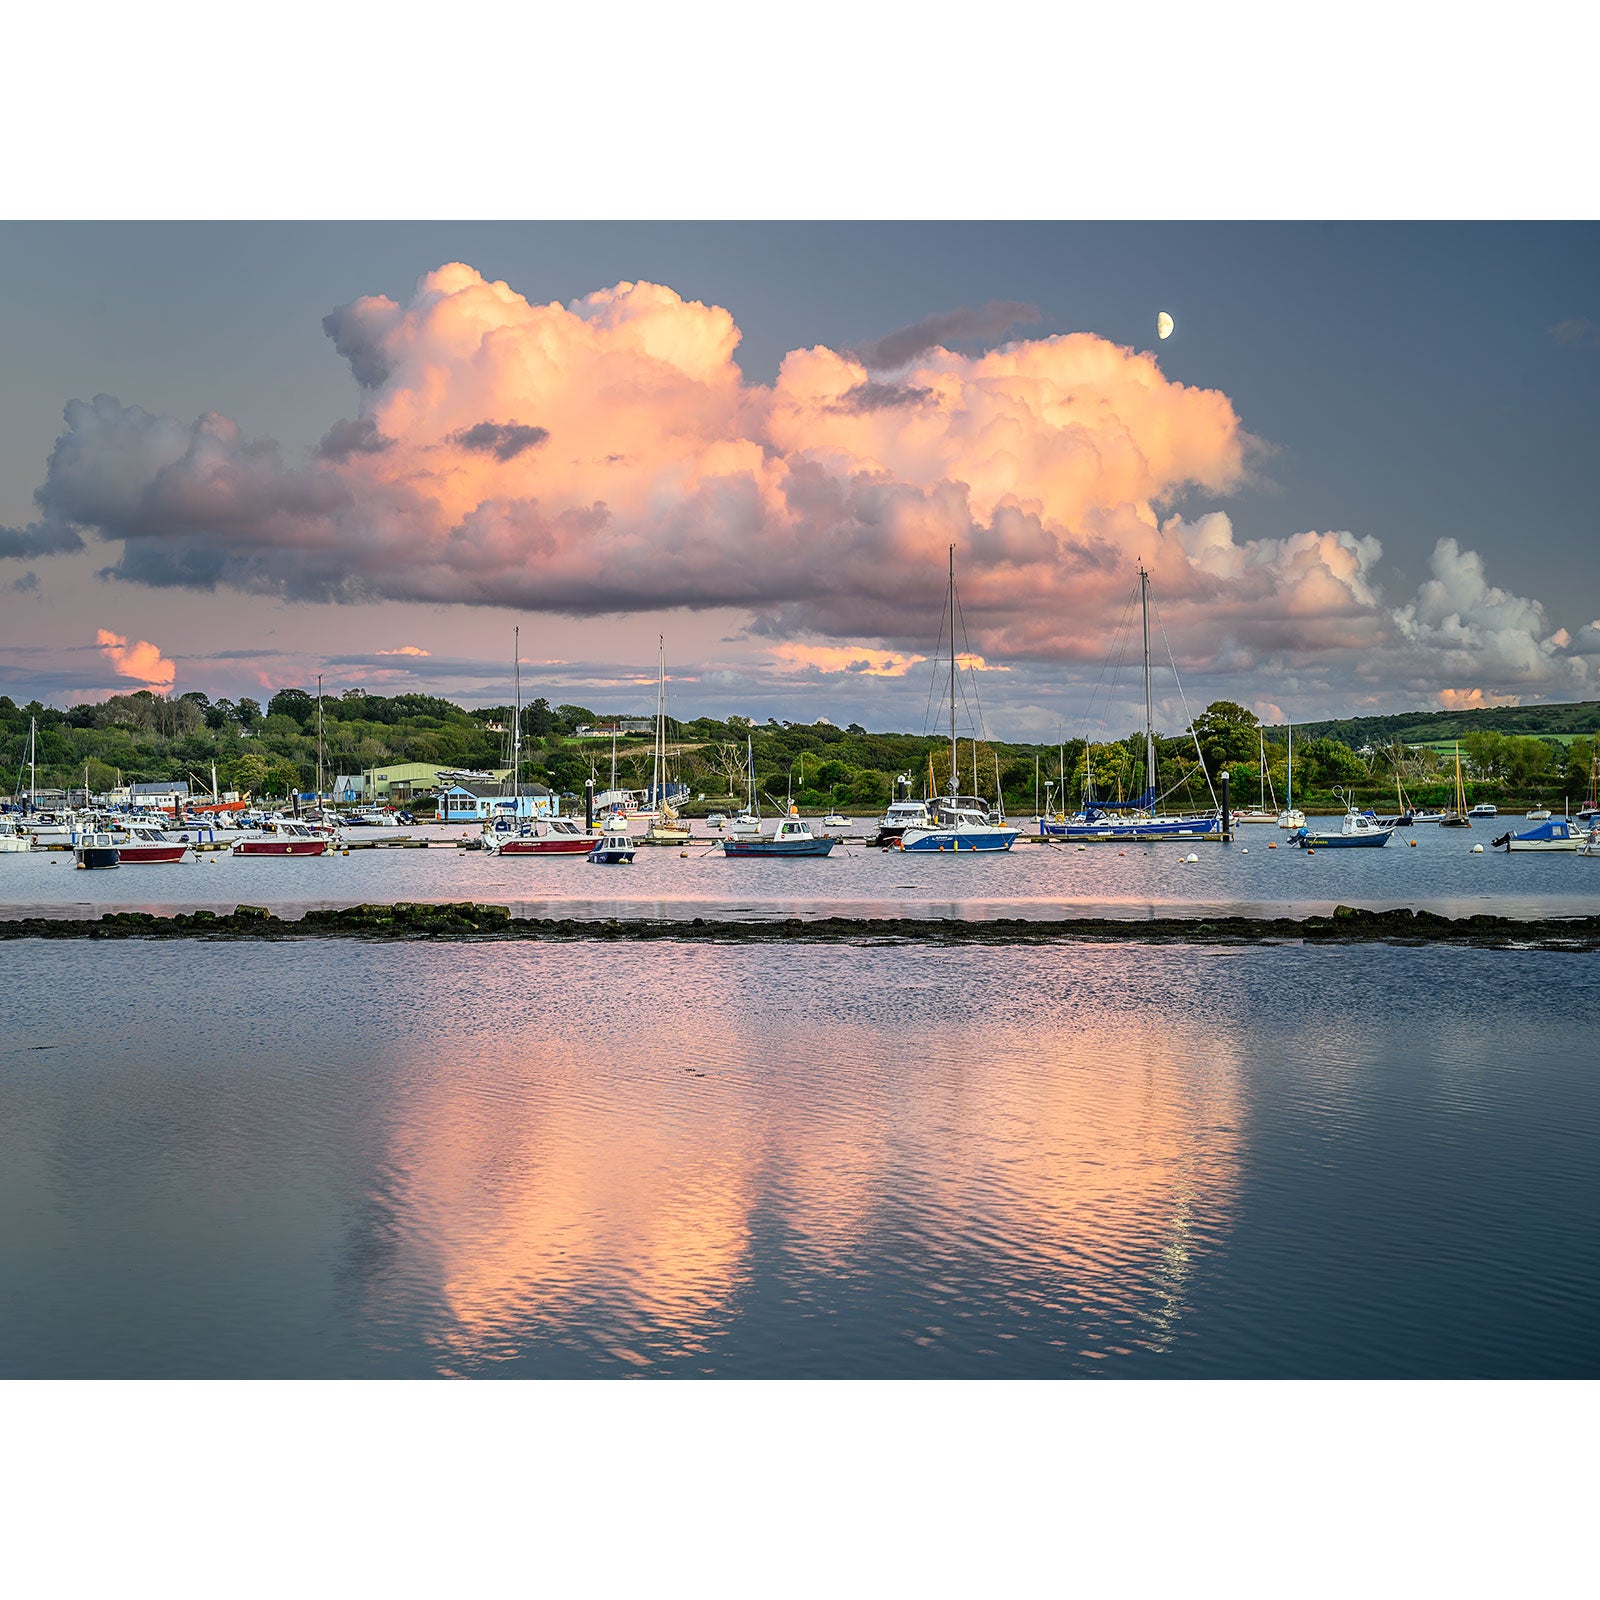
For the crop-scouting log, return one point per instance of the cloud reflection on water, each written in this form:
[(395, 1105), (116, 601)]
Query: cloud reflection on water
[(696, 1138)]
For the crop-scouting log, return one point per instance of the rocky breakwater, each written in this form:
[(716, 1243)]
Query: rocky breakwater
[(466, 920)]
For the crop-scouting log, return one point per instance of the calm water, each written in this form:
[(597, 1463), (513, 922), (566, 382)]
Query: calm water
[(1438, 872), (328, 1159)]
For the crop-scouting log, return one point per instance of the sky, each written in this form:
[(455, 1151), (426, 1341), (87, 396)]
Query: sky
[(1360, 471)]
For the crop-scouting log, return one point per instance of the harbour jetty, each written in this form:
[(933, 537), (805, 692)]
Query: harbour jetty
[(468, 921)]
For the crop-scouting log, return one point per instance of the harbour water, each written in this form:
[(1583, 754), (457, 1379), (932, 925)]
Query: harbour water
[(330, 1159), (1426, 868)]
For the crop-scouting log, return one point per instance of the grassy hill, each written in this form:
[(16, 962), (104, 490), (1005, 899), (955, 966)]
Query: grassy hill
[(1560, 722)]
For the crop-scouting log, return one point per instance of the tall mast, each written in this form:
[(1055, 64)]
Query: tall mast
[(657, 772), (319, 740), (1149, 721), (955, 782), (33, 760), (516, 724)]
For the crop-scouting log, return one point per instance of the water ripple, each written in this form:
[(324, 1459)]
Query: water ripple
[(845, 1160)]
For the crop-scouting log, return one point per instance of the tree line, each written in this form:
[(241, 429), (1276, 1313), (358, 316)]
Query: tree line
[(270, 751)]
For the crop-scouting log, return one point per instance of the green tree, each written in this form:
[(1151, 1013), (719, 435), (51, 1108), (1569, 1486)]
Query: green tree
[(250, 773), (1227, 735), (870, 789), (294, 703)]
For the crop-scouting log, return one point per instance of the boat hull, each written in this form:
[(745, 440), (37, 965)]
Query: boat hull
[(1106, 830), (96, 855), (777, 847), (958, 841), (1557, 834), (146, 854), (1344, 841), (280, 847), (546, 847), (612, 855)]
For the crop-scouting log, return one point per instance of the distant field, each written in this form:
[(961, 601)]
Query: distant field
[(1446, 747), (1438, 730)]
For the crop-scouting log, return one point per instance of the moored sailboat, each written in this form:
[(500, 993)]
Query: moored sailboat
[(955, 827), (1122, 820), (1457, 817), (666, 826), (1290, 816), (1262, 811)]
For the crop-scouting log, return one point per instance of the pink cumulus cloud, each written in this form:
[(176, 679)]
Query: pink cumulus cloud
[(141, 661), (608, 456), (1474, 699)]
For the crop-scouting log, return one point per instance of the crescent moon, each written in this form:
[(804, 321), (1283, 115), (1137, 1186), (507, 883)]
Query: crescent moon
[(1163, 325)]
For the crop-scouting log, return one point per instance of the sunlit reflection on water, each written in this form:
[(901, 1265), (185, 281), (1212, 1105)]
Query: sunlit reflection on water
[(572, 1159)]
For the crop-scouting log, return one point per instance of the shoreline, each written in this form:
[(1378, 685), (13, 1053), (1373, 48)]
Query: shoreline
[(467, 921)]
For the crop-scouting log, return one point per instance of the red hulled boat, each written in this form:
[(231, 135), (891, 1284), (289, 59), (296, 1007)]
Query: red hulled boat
[(287, 839), (556, 836), (140, 844)]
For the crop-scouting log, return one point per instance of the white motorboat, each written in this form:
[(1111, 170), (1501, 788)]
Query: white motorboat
[(14, 838), (902, 814)]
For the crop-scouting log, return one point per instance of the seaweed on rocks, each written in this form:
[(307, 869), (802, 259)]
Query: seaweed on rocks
[(407, 921)]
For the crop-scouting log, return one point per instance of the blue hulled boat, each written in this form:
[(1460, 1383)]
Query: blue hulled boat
[(615, 846), (1106, 820), (98, 850), (1124, 820), (1358, 830), (791, 837), (956, 829)]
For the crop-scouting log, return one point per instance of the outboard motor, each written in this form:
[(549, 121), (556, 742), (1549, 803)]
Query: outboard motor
[(1504, 839)]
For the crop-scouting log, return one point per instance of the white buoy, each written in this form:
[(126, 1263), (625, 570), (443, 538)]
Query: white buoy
[(1083, 847), (1477, 850), (1244, 850), (1191, 858)]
